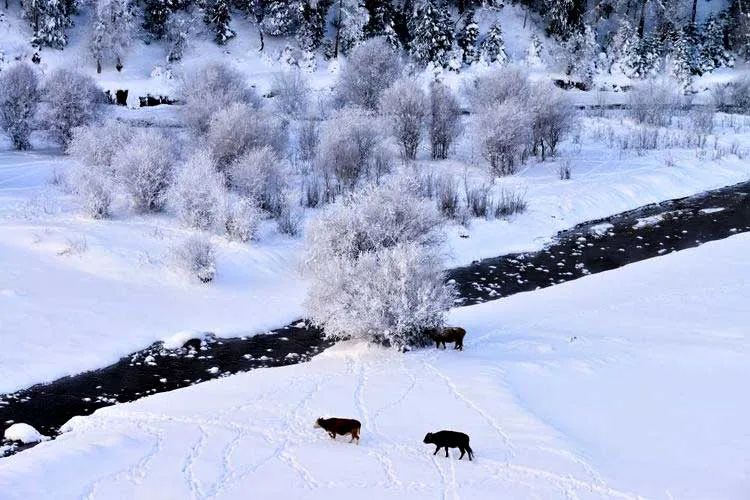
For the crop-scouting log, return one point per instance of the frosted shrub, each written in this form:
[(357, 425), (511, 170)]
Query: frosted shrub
[(445, 120), (733, 96), (19, 98), (94, 188), (308, 139), (702, 120), (73, 100), (351, 146), (211, 88), (98, 144), (260, 175), (145, 168), (370, 68), (243, 219), (446, 195), (405, 106), (510, 203), (375, 268), (554, 117), (198, 194), (504, 133), (196, 258), (239, 128), (289, 218), (291, 93), (508, 83), (478, 201), (655, 101)]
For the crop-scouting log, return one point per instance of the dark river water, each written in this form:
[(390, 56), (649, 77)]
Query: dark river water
[(588, 248)]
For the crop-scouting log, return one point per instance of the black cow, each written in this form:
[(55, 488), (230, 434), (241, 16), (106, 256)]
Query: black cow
[(450, 439)]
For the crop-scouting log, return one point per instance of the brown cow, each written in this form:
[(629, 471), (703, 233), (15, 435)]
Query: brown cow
[(448, 334), (340, 426)]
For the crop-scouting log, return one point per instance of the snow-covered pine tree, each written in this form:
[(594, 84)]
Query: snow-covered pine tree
[(467, 38), (48, 19), (281, 17), (580, 53), (431, 32), (684, 58), (382, 21), (111, 32), (217, 16), (534, 52), (493, 46), (312, 24), (641, 56), (349, 18), (564, 17), (156, 15), (177, 34), (739, 27), (713, 54)]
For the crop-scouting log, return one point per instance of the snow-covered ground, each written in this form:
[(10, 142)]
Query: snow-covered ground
[(76, 294), (617, 385)]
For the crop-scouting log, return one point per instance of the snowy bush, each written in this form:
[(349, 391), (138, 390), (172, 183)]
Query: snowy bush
[(702, 120), (509, 203), (498, 86), (554, 116), (308, 138), (98, 144), (733, 96), (212, 88), (19, 97), (478, 201), (504, 133), (260, 175), (446, 195), (351, 147), (239, 128), (291, 93), (243, 219), (73, 100), (198, 195), (289, 217), (405, 106), (94, 187), (370, 68), (655, 101), (375, 268), (145, 167), (444, 121), (196, 258)]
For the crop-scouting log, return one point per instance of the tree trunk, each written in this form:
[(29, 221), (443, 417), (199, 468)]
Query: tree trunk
[(694, 12), (98, 65), (338, 33), (642, 21)]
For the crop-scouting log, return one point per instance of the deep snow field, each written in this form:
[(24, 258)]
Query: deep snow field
[(618, 385), (77, 294)]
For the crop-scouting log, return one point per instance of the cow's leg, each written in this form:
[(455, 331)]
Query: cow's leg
[(462, 453), (437, 449), (446, 452), (332, 434)]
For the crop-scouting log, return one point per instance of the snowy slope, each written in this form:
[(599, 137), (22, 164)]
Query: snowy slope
[(622, 384)]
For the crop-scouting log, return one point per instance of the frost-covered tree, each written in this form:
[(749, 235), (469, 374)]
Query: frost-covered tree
[(97, 145), (195, 258), (210, 88), (534, 52), (739, 28), (352, 147), (405, 106), (684, 58), (733, 96), (19, 98), (553, 117), (381, 22), (73, 100), (198, 195), (94, 187), (312, 24), (281, 17), (431, 30), (156, 15), (468, 38), (713, 53), (348, 19), (259, 175), (581, 52), (217, 16), (369, 69), (375, 268), (176, 33), (493, 46), (563, 17), (641, 56), (498, 86), (655, 101), (444, 120), (49, 20), (145, 168), (503, 132), (111, 32), (239, 128), (291, 93)]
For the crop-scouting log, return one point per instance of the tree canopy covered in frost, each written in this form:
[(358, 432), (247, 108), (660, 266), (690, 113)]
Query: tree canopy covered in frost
[(112, 31), (213, 87), (97, 145), (368, 71), (198, 195), (405, 106), (73, 100), (445, 120), (504, 134), (259, 175), (375, 267), (19, 98), (145, 166)]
